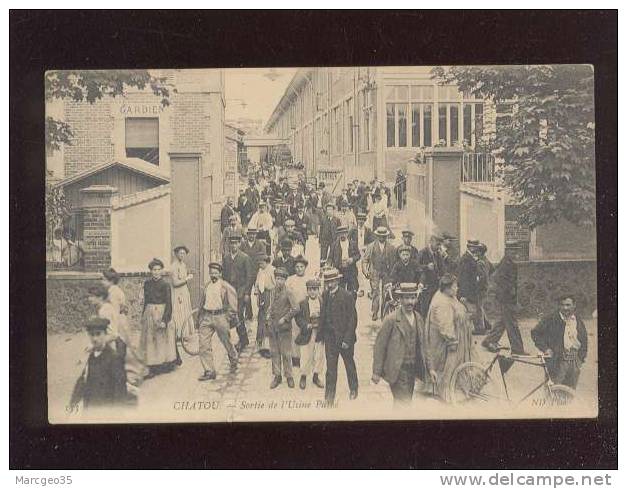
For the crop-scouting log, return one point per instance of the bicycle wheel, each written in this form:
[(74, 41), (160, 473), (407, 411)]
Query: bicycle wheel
[(472, 383), (559, 395), (189, 334)]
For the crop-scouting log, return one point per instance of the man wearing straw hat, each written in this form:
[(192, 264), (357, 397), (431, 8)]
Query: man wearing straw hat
[(377, 266), (338, 323), (398, 357)]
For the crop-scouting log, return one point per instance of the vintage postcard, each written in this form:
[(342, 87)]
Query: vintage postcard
[(299, 244)]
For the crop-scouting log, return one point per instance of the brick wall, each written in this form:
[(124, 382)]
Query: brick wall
[(97, 238), (92, 144)]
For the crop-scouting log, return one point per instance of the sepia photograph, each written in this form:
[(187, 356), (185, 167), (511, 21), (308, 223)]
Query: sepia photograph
[(327, 243)]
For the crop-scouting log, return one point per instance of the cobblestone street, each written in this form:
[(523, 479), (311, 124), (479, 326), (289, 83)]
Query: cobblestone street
[(245, 395)]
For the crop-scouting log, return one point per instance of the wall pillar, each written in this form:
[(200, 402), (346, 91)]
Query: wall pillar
[(443, 179), (96, 214)]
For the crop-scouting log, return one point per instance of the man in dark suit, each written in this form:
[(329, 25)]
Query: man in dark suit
[(504, 282), (338, 325), (406, 269), (562, 336), (284, 257), (398, 356), (256, 250), (238, 270), (408, 236), (328, 225), (226, 213), (429, 258), (344, 255), (252, 193), (246, 209), (468, 284)]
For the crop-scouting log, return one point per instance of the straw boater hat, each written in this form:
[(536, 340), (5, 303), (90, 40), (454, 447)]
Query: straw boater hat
[(215, 266), (235, 238), (407, 289), (331, 274), (407, 232), (404, 247), (381, 231), (362, 216), (290, 222), (473, 243), (263, 203), (341, 229), (181, 247), (446, 235)]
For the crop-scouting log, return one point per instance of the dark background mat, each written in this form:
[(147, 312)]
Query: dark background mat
[(42, 40)]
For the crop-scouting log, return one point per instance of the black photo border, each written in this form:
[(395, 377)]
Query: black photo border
[(41, 40)]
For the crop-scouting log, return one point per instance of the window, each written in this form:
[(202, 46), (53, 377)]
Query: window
[(142, 138), (409, 110), (348, 126), (336, 131), (442, 125), (366, 123), (391, 124)]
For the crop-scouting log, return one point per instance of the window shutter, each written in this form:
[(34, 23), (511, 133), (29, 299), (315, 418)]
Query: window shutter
[(142, 132)]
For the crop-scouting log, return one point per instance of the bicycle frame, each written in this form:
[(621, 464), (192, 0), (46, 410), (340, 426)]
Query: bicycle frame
[(517, 359)]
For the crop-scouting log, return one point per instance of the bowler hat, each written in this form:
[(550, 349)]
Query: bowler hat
[(382, 231), (181, 247), (301, 259), (473, 243), (96, 323), (446, 235)]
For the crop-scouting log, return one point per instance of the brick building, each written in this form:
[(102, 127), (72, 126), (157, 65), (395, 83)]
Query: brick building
[(142, 178)]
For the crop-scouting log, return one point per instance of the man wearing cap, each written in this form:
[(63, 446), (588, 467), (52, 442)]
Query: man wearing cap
[(504, 283), (284, 258), (467, 282), (406, 269), (255, 249), (328, 225), (238, 270), (408, 236), (344, 255), (312, 350), (338, 324), (279, 330), (398, 356), (430, 261), (377, 266), (361, 234), (218, 303), (103, 380), (302, 224)]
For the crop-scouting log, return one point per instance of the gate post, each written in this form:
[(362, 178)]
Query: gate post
[(96, 214)]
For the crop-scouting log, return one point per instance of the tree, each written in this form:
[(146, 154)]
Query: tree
[(90, 86), (546, 143)]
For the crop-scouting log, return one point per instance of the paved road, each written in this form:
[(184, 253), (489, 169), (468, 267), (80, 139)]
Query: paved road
[(179, 396)]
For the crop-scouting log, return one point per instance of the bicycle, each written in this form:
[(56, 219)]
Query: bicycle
[(473, 382), (188, 334)]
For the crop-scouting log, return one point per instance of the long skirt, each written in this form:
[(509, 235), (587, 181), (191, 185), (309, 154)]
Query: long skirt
[(455, 358), (181, 308), (157, 344)]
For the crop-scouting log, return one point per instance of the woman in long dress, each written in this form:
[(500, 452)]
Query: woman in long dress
[(448, 337), (181, 301), (134, 366), (158, 338)]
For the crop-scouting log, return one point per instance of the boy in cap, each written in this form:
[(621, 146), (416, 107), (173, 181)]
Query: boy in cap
[(103, 380), (311, 348), (279, 330)]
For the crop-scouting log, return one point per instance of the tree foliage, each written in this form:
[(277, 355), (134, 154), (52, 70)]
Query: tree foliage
[(93, 85), (546, 145)]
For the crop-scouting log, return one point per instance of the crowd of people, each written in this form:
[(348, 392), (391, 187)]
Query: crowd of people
[(430, 301)]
